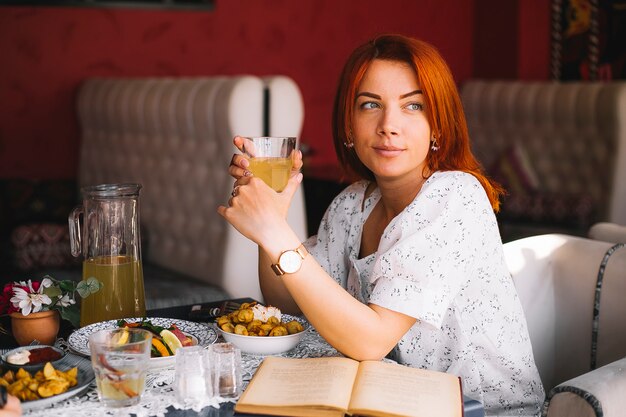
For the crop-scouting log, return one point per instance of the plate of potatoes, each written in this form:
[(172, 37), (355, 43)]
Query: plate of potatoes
[(69, 376), (262, 337)]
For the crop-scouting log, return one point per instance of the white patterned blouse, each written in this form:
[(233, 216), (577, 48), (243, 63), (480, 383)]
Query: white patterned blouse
[(440, 261)]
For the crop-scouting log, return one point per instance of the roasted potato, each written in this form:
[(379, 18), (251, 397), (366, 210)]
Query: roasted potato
[(242, 322), (294, 326), (43, 384), (241, 329)]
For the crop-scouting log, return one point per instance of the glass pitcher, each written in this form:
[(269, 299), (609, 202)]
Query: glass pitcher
[(111, 247)]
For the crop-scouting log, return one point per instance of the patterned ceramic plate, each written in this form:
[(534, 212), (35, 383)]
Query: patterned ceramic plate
[(84, 378), (202, 334)]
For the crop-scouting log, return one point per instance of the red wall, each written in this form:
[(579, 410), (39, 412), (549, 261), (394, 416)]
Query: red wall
[(46, 52), (534, 40)]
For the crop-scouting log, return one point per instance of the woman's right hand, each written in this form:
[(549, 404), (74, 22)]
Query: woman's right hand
[(238, 167)]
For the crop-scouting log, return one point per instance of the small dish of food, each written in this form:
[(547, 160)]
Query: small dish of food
[(261, 330), (31, 358)]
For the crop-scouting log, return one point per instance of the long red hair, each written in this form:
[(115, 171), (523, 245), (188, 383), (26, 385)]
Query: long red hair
[(444, 110)]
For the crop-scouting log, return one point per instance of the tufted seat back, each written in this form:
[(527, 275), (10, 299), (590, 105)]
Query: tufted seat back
[(174, 136), (573, 133)]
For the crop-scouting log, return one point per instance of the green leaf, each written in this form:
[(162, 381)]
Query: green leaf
[(71, 314), (89, 286), (53, 292), (67, 286), (83, 289)]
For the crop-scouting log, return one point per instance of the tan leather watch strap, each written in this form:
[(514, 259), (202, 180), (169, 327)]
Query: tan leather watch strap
[(290, 261)]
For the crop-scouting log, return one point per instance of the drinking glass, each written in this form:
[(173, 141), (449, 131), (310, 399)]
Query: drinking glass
[(120, 360), (271, 159), (224, 362), (191, 385)]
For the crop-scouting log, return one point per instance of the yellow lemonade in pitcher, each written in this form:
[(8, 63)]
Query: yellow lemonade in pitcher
[(122, 294), (274, 171)]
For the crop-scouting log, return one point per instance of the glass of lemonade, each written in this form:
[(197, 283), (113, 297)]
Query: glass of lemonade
[(271, 159), (120, 360)]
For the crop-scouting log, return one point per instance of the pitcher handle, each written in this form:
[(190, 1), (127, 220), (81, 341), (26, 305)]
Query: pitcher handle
[(75, 235)]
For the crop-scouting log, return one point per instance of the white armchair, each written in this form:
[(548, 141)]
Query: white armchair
[(608, 232), (558, 281)]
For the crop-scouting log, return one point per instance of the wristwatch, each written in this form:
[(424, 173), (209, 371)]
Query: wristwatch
[(290, 261)]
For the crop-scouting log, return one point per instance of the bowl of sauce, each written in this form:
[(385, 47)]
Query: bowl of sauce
[(31, 358)]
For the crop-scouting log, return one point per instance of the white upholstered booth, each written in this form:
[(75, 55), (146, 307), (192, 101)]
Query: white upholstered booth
[(174, 136), (563, 145), (556, 277)]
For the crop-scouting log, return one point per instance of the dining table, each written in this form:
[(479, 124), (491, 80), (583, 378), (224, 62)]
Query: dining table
[(159, 398)]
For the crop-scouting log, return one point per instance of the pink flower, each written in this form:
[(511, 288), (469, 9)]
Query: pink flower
[(5, 300)]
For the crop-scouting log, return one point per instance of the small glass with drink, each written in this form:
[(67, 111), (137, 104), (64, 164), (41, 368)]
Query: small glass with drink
[(120, 360), (223, 362), (271, 159)]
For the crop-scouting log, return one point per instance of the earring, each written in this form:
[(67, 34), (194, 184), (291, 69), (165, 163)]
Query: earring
[(349, 143), (433, 144)]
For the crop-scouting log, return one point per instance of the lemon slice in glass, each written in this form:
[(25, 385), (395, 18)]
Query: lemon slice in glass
[(121, 337), (171, 340)]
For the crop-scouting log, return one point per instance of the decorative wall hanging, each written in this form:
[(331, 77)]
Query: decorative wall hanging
[(588, 40)]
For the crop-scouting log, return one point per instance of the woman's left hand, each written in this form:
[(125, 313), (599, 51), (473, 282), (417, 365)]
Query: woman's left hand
[(257, 211), (10, 406)]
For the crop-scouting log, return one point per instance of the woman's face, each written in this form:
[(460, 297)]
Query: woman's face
[(390, 131)]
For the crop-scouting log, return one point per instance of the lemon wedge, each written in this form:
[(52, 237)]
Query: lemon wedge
[(171, 340), (121, 337)]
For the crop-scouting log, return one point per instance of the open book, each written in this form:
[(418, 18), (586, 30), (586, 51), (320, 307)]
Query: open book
[(336, 386)]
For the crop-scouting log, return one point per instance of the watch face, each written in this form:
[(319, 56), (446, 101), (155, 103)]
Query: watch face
[(290, 262)]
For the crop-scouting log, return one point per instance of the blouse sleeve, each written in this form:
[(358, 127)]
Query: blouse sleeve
[(426, 255), (330, 247)]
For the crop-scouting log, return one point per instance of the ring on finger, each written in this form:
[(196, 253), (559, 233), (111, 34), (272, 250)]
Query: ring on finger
[(235, 191)]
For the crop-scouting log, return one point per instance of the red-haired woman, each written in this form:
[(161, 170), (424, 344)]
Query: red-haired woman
[(408, 261)]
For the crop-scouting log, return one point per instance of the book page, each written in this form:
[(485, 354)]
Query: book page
[(302, 382), (401, 390)]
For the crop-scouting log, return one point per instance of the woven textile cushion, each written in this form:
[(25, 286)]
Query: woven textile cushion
[(33, 214), (42, 245), (514, 171), (574, 135), (527, 201)]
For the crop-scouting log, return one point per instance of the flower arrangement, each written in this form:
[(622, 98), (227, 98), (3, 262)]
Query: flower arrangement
[(29, 296)]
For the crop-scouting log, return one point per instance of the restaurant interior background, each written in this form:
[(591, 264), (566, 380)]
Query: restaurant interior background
[(48, 51)]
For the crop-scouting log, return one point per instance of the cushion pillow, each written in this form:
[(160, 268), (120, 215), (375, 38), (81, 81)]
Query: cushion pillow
[(41, 245), (514, 171)]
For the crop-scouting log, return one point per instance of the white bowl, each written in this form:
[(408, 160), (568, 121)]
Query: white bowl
[(267, 345)]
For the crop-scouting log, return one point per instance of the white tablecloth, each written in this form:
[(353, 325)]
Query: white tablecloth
[(159, 393)]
